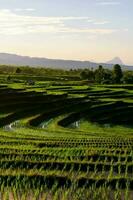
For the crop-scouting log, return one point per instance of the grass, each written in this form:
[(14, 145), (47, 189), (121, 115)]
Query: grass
[(106, 129), (56, 161)]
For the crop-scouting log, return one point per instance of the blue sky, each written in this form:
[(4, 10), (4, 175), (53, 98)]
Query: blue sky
[(95, 30)]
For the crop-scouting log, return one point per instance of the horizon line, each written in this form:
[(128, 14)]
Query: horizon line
[(78, 60)]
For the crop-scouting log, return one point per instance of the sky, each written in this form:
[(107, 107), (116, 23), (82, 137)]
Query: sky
[(94, 30)]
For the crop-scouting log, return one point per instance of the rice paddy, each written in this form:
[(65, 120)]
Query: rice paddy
[(66, 142)]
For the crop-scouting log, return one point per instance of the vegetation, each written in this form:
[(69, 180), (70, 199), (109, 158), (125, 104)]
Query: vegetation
[(101, 75), (117, 74), (63, 138)]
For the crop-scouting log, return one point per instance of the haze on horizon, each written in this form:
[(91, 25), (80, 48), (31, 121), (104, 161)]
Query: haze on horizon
[(96, 30)]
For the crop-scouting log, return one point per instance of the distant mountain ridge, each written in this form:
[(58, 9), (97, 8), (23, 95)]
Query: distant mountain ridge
[(13, 59)]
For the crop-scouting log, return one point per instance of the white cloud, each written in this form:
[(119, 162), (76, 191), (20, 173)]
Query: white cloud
[(89, 30), (107, 3), (14, 24), (101, 22), (25, 9)]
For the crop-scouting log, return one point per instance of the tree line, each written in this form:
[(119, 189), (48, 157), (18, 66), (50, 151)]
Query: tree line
[(100, 75), (106, 76)]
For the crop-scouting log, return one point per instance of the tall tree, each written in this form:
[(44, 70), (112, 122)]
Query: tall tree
[(117, 73), (99, 74)]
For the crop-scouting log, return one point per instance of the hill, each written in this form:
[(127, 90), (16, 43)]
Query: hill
[(13, 59), (116, 60)]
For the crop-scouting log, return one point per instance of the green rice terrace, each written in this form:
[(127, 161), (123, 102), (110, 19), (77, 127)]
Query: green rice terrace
[(66, 140)]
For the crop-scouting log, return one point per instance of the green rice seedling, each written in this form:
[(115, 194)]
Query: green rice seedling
[(36, 194), (91, 152), (6, 194)]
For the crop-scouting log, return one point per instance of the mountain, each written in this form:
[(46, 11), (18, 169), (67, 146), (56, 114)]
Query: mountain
[(13, 59), (115, 60)]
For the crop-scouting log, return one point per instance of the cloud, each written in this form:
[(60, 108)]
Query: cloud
[(16, 24), (107, 3), (89, 30), (25, 9), (101, 22)]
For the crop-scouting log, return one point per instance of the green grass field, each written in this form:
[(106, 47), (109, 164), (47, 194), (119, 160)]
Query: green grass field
[(66, 141)]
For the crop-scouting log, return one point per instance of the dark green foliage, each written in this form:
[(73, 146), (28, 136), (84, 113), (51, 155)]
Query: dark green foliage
[(87, 74), (18, 70), (128, 77), (99, 74), (117, 73)]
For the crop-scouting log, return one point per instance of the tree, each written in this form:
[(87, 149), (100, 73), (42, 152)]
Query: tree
[(18, 70), (91, 75), (117, 73), (87, 74), (107, 76), (99, 74), (83, 75), (128, 77)]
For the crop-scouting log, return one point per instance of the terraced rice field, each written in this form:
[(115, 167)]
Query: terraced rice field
[(66, 142)]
